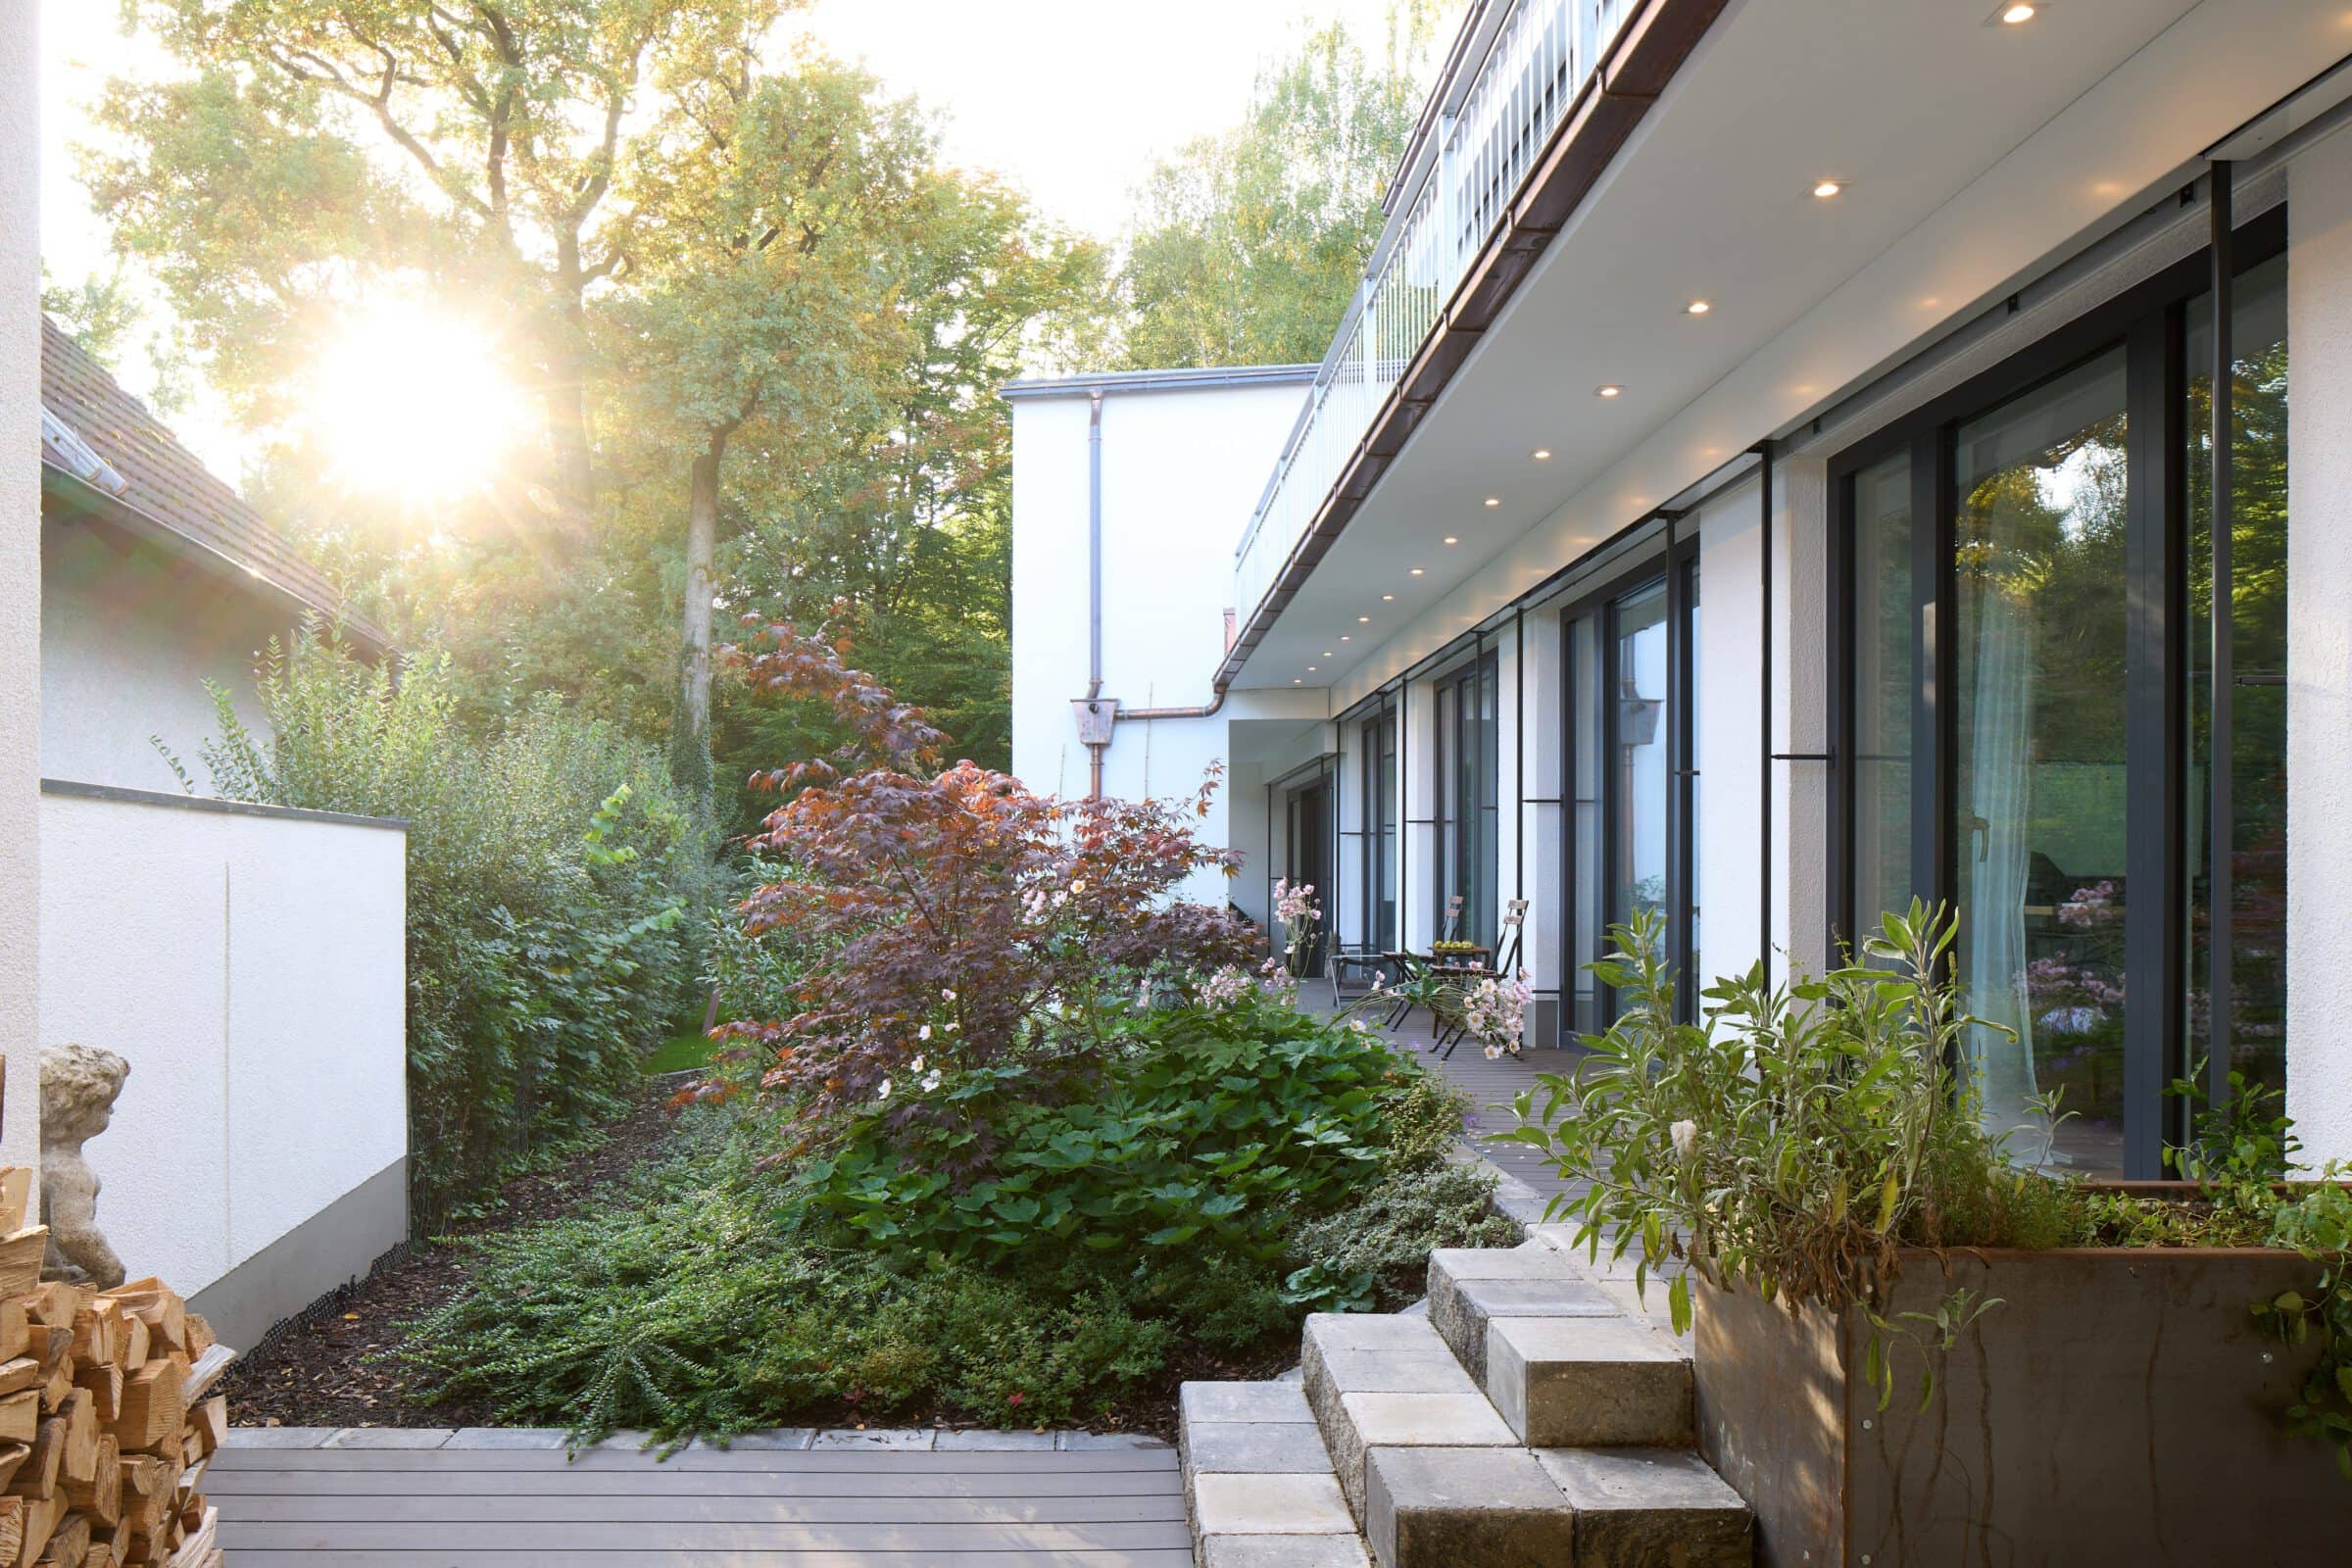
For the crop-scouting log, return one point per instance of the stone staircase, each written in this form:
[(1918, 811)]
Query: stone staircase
[(1536, 1415)]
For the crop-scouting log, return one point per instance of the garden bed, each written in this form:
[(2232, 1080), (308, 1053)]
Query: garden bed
[(329, 1366)]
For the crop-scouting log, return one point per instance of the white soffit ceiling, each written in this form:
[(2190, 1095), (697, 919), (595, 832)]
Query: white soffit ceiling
[(1908, 104)]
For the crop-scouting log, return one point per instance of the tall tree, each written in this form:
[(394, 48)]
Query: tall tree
[(475, 145), (768, 233), (1250, 243)]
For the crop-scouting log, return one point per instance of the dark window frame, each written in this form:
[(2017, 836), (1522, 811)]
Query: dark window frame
[(2145, 321)]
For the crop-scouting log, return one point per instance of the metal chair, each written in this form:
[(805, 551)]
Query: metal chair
[(1504, 961)]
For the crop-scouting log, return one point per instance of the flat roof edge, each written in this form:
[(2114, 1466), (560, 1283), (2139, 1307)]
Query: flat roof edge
[(1210, 378)]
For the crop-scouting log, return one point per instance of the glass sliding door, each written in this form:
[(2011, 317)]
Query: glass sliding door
[(1469, 806), (2039, 752), (1586, 739), (2025, 718), (2257, 1039), (1880, 632), (1639, 761), (1378, 747)]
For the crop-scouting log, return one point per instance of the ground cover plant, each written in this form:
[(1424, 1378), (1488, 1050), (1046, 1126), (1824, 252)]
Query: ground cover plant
[(1004, 1131)]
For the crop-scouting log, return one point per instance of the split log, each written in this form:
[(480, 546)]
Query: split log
[(21, 1254)]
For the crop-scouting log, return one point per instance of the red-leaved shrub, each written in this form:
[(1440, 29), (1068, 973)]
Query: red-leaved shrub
[(956, 919)]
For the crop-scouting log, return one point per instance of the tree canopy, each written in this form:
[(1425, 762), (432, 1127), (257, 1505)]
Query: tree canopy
[(1250, 243)]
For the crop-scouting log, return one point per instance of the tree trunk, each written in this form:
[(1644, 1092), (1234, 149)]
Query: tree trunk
[(564, 396), (690, 741)]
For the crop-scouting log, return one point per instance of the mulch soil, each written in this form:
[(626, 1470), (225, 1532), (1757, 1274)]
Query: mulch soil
[(327, 1367), (330, 1367)]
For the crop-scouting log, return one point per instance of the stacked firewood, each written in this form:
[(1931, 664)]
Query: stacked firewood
[(107, 1418)]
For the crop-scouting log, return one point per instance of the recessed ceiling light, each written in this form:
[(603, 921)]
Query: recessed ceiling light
[(1607, 391), (1326, 652), (1361, 620), (1451, 540), (1416, 571), (2020, 11), (1344, 637), (1385, 597), (1494, 500), (1543, 454), (1295, 681), (1697, 308), (1310, 669), (1829, 188)]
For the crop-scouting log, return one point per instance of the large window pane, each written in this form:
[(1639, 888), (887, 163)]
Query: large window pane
[(1644, 725), (1695, 970), (1881, 692), (2039, 750), (2257, 1043), (1582, 637)]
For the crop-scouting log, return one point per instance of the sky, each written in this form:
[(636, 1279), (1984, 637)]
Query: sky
[(1069, 99)]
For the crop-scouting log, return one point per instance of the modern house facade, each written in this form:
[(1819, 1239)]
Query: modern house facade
[(1768, 474)]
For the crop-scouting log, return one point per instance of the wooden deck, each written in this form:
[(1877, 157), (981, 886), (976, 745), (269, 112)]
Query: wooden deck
[(701, 1508)]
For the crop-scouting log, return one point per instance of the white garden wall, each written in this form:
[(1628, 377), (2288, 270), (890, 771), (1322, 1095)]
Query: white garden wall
[(20, 572), (249, 963)]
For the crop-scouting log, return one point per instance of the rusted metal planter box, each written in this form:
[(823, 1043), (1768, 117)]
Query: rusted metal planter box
[(2120, 1407)]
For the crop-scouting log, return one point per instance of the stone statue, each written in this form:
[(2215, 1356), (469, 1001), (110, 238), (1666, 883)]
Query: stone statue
[(78, 1086)]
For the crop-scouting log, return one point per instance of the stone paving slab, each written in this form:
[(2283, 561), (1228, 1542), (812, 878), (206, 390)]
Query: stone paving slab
[(1284, 1551), (1270, 1505), (878, 1440), (1243, 1401), (1255, 1448), (507, 1438)]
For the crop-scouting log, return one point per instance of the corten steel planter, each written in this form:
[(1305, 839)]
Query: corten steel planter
[(2120, 1407)]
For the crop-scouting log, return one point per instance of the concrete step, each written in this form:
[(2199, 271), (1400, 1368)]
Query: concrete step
[(1390, 1382), (1553, 1350), (1258, 1485), (1651, 1508), (1455, 1508)]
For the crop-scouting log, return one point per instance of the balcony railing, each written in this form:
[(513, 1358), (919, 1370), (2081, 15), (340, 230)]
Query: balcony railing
[(1490, 119)]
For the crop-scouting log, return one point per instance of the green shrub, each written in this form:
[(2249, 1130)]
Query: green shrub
[(1373, 1256), (548, 869), (1198, 1130)]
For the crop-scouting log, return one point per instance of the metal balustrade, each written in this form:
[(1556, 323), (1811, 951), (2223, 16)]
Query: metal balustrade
[(1483, 131)]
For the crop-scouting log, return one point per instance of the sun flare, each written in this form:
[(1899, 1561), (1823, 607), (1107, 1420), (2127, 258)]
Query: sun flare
[(416, 405)]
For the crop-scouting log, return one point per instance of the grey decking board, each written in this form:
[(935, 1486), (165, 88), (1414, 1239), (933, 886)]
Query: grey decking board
[(973, 1461), (458, 1558), (657, 1508), (587, 1484), (941, 1540)]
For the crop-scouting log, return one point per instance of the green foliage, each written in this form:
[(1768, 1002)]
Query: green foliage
[(1250, 243), (1200, 1133), (2318, 1223), (1794, 1139), (549, 873), (1374, 1254), (721, 1294)]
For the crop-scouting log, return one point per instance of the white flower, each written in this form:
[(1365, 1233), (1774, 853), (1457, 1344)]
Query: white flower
[(884, 1091), (924, 1033), (949, 1026), (1078, 885), (1493, 1052), (948, 995), (916, 1065), (931, 1080), (1686, 1139)]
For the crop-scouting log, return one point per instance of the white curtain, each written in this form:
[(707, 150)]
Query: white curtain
[(1995, 844)]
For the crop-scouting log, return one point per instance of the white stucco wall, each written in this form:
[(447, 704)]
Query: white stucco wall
[(251, 968), (20, 577), (128, 637), (1181, 471), (2319, 613)]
